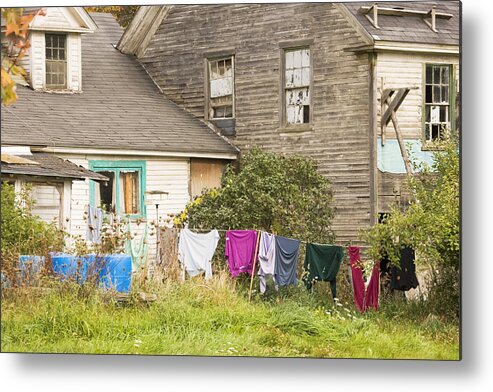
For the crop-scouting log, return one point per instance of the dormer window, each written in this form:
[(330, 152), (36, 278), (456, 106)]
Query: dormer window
[(56, 61)]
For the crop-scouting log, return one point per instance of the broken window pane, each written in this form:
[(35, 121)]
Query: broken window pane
[(436, 74), (444, 95), (445, 75), (437, 101), (443, 114), (436, 94), (105, 198), (435, 134), (221, 88)]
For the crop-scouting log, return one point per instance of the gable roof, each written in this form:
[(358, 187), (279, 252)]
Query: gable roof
[(66, 19), (120, 108), (410, 28)]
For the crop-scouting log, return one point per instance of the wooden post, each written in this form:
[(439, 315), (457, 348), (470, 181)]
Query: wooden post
[(253, 267)]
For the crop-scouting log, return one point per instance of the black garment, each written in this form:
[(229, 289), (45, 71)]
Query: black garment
[(404, 278)]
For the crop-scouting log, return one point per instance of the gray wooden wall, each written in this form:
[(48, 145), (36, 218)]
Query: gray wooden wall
[(338, 139)]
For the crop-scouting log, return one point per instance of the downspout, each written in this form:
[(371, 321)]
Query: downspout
[(372, 134)]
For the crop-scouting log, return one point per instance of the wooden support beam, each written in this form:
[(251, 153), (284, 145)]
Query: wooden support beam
[(405, 157), (403, 12), (394, 105)]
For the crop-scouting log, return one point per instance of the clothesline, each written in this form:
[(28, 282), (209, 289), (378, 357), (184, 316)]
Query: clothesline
[(302, 242)]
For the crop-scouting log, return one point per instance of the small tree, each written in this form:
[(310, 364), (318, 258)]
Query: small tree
[(272, 192)]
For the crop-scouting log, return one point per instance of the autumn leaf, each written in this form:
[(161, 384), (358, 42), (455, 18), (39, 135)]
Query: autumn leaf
[(15, 47)]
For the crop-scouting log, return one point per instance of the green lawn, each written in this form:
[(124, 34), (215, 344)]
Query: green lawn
[(195, 318)]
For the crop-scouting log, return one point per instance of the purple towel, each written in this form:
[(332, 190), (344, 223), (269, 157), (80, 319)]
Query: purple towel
[(240, 250)]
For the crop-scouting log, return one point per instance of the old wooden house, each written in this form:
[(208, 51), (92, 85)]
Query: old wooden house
[(348, 84), (130, 149)]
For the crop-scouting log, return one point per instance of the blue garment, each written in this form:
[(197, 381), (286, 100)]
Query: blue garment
[(287, 250)]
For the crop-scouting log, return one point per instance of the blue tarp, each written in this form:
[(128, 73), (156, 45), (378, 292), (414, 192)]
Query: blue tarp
[(389, 158)]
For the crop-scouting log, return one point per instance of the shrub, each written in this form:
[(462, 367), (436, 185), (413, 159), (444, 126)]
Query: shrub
[(272, 192), (22, 232)]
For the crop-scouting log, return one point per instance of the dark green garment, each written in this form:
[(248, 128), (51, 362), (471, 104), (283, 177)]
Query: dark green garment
[(322, 263)]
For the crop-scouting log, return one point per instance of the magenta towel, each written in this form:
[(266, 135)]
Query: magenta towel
[(240, 250), (357, 275), (371, 297)]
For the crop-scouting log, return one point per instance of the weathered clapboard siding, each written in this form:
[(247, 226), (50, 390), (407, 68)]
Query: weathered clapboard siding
[(48, 199), (338, 138), (37, 60), (162, 174), (406, 70), (74, 74)]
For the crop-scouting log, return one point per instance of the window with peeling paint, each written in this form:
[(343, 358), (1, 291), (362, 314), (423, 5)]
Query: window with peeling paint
[(123, 193), (437, 101), (297, 85), (221, 88)]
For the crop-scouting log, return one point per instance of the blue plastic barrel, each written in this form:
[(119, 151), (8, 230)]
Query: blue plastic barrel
[(30, 266), (87, 268), (116, 272), (64, 266)]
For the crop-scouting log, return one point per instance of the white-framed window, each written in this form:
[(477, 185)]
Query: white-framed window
[(221, 88), (296, 85), (56, 61), (437, 101)]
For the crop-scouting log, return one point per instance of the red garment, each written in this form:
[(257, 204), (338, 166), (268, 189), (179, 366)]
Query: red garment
[(364, 299), (371, 297)]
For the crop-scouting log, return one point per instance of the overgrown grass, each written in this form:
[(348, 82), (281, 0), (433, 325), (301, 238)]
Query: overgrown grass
[(215, 318)]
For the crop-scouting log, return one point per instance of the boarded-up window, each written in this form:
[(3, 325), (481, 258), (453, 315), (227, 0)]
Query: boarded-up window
[(221, 88), (437, 101), (205, 174), (56, 61), (297, 85)]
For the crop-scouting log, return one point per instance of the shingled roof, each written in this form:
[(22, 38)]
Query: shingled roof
[(120, 108), (49, 165), (411, 28)]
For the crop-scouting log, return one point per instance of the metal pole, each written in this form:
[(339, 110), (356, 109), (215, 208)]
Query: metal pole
[(157, 233)]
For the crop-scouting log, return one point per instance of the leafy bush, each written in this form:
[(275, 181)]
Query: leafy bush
[(281, 194), (430, 225), (22, 232)]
